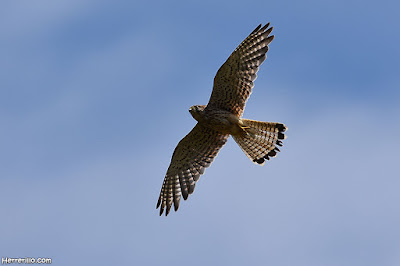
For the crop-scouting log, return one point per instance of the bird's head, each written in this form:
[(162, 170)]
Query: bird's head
[(196, 111)]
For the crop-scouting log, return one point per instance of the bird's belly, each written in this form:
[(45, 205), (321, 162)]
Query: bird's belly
[(225, 123)]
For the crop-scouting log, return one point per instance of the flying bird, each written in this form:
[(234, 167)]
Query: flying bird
[(219, 119)]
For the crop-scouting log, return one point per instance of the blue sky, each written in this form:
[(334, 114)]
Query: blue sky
[(94, 97)]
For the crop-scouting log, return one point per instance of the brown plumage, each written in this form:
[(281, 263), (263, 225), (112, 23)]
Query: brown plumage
[(219, 119)]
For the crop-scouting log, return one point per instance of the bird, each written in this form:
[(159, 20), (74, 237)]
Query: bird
[(221, 118)]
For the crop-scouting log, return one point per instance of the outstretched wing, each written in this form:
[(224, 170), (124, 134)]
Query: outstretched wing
[(234, 80), (194, 153)]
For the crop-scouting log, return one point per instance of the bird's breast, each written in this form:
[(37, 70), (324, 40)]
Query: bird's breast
[(222, 121)]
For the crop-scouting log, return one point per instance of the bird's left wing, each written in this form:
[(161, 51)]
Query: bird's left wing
[(194, 153), (234, 80)]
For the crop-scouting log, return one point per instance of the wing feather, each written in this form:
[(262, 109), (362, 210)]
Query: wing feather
[(194, 153), (233, 82)]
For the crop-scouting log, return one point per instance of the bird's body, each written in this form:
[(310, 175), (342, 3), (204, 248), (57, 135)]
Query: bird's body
[(221, 118)]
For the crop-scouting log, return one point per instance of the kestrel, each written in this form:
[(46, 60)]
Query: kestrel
[(220, 118)]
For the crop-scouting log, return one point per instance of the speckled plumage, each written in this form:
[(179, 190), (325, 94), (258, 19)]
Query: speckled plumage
[(219, 119)]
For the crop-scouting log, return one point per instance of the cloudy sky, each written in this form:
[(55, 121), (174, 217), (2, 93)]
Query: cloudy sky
[(94, 97)]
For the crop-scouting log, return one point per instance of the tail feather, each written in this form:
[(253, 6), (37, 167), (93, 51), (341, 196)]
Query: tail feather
[(259, 140)]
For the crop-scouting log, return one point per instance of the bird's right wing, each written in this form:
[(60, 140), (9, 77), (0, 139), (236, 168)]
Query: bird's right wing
[(194, 153)]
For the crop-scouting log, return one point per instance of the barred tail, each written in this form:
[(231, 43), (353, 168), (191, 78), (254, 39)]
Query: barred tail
[(259, 140)]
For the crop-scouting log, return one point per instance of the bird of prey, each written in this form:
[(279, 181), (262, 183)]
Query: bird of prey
[(219, 119)]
